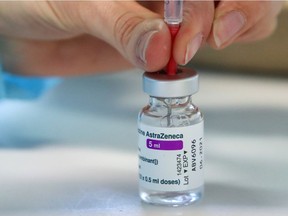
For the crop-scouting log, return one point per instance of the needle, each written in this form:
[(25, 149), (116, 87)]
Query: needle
[(173, 17)]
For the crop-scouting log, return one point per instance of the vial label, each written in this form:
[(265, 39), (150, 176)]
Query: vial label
[(171, 159)]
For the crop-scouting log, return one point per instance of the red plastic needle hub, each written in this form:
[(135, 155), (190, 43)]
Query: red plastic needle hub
[(171, 68)]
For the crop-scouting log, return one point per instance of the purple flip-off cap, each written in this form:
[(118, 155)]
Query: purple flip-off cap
[(164, 144)]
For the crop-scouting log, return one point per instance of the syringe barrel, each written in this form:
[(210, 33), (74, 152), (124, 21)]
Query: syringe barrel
[(173, 11)]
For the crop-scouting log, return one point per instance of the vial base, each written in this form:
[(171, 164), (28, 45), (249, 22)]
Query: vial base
[(171, 198)]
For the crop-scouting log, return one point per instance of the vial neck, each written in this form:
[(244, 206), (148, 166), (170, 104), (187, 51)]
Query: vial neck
[(171, 102), (174, 111)]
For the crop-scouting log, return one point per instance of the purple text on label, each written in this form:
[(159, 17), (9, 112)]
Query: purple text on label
[(164, 145)]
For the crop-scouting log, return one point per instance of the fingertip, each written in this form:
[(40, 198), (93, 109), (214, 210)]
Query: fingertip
[(193, 46), (228, 27), (194, 30), (157, 53), (187, 44), (212, 43)]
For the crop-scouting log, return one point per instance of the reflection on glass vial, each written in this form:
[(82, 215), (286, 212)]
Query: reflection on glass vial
[(171, 153)]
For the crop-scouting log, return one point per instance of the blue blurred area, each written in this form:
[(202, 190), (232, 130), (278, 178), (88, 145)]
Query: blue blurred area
[(23, 87), (2, 93)]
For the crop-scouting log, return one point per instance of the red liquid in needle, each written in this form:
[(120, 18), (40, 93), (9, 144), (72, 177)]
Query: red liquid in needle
[(171, 68)]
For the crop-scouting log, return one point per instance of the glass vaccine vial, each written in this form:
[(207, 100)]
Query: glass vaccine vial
[(170, 145)]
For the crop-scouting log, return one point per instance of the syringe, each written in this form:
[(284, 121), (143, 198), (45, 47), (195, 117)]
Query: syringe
[(173, 13)]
